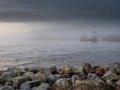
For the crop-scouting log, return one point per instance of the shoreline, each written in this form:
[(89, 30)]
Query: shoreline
[(83, 77)]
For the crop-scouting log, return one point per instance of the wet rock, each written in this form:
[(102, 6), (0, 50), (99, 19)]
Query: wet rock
[(66, 69), (63, 83), (16, 71), (28, 74), (39, 76), (19, 80), (88, 68), (7, 88), (100, 71), (43, 86)]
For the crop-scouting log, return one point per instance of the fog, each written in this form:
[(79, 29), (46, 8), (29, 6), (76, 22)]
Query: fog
[(34, 31)]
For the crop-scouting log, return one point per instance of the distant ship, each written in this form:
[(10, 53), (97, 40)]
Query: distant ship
[(93, 38), (84, 38)]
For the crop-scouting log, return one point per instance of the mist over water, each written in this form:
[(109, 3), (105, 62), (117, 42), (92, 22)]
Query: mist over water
[(57, 43)]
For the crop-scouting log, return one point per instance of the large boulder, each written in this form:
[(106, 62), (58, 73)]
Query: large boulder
[(88, 68), (46, 72), (39, 76), (100, 71), (114, 67), (66, 69), (1, 72), (29, 84), (109, 75), (52, 78), (43, 86), (7, 76), (19, 80), (28, 74), (34, 69), (16, 71), (86, 85), (54, 70), (77, 70), (95, 79), (7, 88), (74, 78), (62, 84)]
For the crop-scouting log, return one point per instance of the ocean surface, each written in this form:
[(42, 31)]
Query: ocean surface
[(49, 44), (59, 53)]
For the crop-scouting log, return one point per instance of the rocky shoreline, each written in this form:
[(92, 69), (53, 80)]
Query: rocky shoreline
[(84, 77)]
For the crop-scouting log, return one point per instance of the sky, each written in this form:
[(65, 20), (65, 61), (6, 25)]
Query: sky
[(58, 19), (36, 10)]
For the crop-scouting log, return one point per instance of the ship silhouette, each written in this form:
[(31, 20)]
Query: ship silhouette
[(93, 38)]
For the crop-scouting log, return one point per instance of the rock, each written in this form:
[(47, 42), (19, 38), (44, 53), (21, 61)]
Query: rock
[(74, 78), (8, 83), (117, 88), (114, 67), (39, 76), (30, 84), (43, 86), (19, 80), (118, 83), (7, 88), (54, 70), (110, 82), (1, 72), (34, 69), (28, 74), (63, 83), (109, 75), (25, 86), (100, 71), (88, 68), (52, 78), (46, 72), (86, 85), (91, 76), (66, 69), (16, 71), (77, 70), (7, 76), (95, 79)]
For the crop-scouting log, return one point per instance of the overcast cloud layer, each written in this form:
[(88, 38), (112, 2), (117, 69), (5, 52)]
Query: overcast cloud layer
[(58, 9)]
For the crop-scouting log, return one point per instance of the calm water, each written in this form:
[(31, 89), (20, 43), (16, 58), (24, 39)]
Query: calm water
[(49, 44), (49, 53)]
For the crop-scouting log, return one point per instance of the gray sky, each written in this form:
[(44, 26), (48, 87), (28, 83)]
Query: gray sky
[(18, 10)]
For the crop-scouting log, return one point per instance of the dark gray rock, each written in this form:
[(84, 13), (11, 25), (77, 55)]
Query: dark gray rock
[(7, 88)]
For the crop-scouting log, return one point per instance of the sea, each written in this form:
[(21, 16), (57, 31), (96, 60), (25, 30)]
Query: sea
[(49, 44)]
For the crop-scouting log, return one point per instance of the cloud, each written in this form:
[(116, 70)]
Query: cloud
[(57, 9)]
